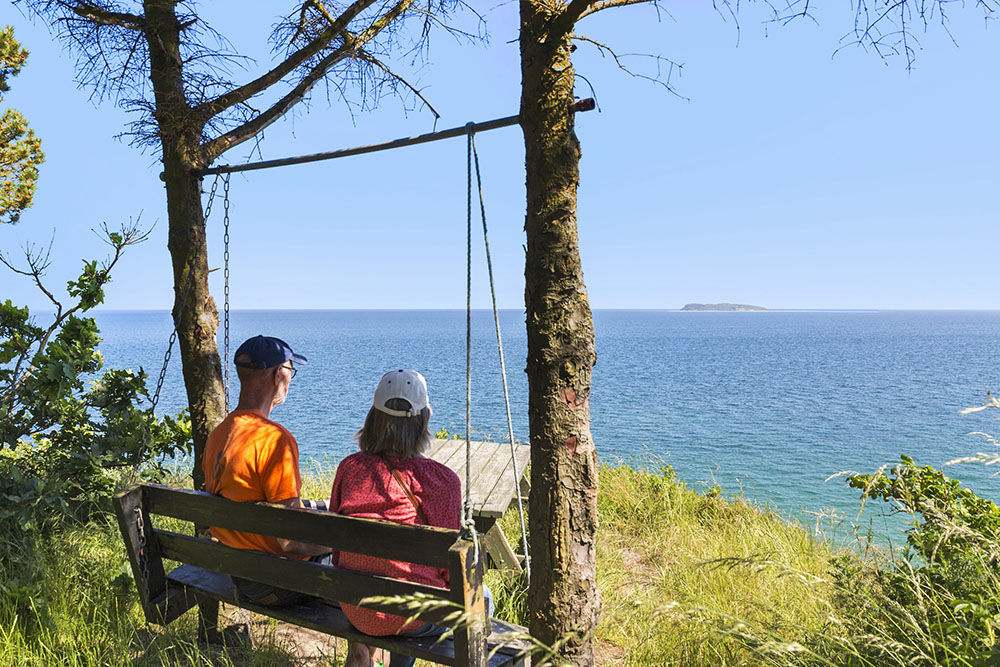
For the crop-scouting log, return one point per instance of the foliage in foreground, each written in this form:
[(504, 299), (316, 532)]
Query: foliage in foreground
[(687, 578), (66, 427), (20, 149), (937, 602)]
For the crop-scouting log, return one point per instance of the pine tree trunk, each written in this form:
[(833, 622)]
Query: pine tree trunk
[(199, 320), (563, 596)]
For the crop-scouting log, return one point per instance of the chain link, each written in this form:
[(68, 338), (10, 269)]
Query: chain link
[(143, 547), (225, 240), (176, 316)]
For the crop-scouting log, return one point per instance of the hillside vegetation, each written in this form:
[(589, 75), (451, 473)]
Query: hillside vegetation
[(686, 578)]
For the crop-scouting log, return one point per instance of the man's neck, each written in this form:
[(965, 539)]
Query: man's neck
[(261, 404)]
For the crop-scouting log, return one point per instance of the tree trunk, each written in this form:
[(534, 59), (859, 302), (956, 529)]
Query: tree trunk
[(563, 596), (198, 316)]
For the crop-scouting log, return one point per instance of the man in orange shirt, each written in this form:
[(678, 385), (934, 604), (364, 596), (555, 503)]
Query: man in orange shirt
[(250, 458)]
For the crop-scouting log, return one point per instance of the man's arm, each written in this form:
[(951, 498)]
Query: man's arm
[(300, 548)]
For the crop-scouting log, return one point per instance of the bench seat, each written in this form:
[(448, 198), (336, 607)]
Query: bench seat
[(326, 616), (205, 567)]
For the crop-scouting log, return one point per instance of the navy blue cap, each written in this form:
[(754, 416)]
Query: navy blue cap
[(266, 352)]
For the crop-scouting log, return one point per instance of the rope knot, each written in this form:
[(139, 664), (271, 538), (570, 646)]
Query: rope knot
[(469, 533)]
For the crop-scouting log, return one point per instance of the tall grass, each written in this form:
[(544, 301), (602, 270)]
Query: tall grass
[(686, 578), (672, 561)]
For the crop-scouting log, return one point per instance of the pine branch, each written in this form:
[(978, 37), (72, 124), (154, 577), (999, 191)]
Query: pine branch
[(100, 16), (351, 46), (337, 27), (595, 7), (368, 57)]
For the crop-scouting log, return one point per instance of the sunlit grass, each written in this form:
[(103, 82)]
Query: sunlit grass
[(686, 578)]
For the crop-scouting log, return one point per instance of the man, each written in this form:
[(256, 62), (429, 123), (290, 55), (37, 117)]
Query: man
[(249, 458)]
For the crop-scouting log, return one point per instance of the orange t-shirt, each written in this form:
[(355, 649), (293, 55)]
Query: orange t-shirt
[(251, 458)]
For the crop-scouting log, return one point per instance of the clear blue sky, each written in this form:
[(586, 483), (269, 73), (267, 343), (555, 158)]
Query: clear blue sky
[(787, 178)]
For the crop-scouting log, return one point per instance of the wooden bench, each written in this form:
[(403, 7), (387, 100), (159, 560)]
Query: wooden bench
[(205, 566)]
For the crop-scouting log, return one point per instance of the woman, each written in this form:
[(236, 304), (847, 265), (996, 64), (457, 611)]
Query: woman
[(391, 479)]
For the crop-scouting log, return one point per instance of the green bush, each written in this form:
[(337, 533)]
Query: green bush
[(68, 427)]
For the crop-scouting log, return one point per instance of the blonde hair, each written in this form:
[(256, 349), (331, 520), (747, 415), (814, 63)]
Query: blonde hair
[(401, 437)]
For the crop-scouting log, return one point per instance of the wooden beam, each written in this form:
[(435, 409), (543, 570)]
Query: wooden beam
[(426, 545), (582, 105), (301, 576)]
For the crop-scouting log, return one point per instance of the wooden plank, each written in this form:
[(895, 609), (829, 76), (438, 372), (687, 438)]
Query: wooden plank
[(436, 446), (457, 460), (177, 601), (503, 492), (143, 551), (490, 471), (300, 576), (425, 545), (484, 469), (493, 486), (510, 640), (327, 617), (449, 450), (499, 549), (466, 576)]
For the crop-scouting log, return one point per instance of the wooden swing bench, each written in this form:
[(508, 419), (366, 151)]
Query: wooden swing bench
[(205, 568)]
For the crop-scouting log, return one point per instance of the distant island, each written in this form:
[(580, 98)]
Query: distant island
[(726, 307)]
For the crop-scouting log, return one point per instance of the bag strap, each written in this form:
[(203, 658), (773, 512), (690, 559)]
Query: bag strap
[(406, 490)]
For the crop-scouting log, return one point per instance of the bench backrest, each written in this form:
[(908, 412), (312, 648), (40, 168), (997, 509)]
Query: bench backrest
[(424, 545)]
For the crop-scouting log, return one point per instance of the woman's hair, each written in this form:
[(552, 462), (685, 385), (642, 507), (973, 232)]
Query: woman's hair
[(402, 437)]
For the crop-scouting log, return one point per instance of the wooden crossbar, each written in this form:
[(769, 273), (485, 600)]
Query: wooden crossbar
[(587, 104)]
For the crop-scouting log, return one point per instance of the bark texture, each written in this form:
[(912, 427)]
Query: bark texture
[(180, 133), (563, 596)]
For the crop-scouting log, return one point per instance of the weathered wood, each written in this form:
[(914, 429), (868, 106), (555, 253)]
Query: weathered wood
[(499, 549), (466, 576), (489, 479), (326, 616), (177, 601), (449, 451), (501, 497), (486, 467), (208, 621), (426, 545), (143, 550), (203, 578), (301, 576), (493, 487)]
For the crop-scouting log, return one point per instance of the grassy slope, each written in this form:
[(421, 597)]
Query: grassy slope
[(664, 578)]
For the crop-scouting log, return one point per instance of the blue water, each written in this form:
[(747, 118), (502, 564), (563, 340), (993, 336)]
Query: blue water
[(770, 403)]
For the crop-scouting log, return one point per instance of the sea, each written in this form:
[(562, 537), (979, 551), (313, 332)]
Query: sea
[(775, 406)]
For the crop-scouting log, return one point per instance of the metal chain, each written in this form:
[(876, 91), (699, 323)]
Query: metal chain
[(141, 554), (176, 316), (503, 366), (225, 241)]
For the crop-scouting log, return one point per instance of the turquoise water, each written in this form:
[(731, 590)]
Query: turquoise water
[(770, 403)]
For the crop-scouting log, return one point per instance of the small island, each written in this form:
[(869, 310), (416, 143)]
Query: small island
[(724, 307)]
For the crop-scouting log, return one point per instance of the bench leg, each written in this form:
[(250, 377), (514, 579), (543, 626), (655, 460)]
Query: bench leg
[(208, 621), (499, 549)]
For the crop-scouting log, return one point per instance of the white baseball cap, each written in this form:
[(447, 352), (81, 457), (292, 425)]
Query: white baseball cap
[(408, 385)]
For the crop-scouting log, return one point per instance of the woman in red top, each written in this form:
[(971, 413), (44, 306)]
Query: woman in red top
[(391, 479)]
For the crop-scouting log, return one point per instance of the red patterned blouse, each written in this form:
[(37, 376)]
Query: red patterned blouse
[(365, 487)]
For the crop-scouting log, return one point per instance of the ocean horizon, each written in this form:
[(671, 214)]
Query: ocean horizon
[(767, 406)]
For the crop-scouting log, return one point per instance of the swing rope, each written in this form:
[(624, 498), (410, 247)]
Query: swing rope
[(503, 367), (468, 523)]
